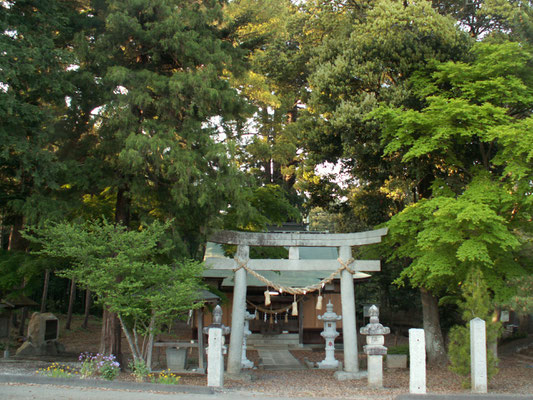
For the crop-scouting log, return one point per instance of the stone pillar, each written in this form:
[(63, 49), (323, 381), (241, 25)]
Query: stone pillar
[(329, 334), (349, 329), (237, 313), (374, 348), (247, 318), (417, 363), (216, 349), (478, 355)]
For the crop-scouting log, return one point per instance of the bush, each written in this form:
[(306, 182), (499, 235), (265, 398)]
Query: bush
[(399, 349), (139, 370), (99, 365)]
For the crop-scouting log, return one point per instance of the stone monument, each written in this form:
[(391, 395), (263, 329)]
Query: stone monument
[(374, 348), (417, 361), (247, 332), (43, 332), (216, 349), (478, 355), (329, 334)]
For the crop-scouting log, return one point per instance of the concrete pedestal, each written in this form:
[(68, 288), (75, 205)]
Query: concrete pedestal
[(215, 358), (375, 372), (216, 349)]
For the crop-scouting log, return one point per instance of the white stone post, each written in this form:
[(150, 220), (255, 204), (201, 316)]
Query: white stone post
[(237, 312), (216, 349), (374, 348), (478, 355), (349, 328), (417, 363), (247, 318), (329, 334)]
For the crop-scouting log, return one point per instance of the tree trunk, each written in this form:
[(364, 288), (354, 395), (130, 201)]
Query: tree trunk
[(16, 241), (23, 321), (110, 342), (71, 303), (150, 342), (493, 344), (435, 350), (14, 320), (87, 309), (1, 232), (133, 347), (24, 314), (123, 206), (201, 345), (45, 290), (523, 323)]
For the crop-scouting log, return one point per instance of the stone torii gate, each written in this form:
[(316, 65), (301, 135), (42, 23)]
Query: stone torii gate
[(343, 241)]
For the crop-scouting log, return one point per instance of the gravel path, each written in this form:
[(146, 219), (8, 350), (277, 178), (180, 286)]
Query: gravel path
[(515, 377)]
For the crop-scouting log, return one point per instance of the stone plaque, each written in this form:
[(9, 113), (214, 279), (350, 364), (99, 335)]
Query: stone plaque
[(51, 329), (504, 316)]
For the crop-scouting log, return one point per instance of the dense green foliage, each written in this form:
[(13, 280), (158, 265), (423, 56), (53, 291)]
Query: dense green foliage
[(34, 80), (478, 196)]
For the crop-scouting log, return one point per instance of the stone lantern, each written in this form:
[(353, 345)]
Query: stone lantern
[(216, 349), (247, 332), (374, 348), (329, 334)]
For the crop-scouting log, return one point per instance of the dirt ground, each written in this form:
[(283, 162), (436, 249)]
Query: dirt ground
[(515, 371)]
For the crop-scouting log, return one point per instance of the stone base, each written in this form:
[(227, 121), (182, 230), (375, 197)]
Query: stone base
[(242, 377), (247, 364), (348, 376), (328, 364), (52, 348)]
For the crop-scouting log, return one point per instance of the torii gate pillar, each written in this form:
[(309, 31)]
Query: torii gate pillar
[(237, 313), (349, 328)]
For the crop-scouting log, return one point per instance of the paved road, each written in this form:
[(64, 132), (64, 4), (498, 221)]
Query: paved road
[(489, 396), (24, 391), (49, 392)]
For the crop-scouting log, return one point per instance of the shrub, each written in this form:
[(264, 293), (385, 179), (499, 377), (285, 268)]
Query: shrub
[(99, 365), (399, 349), (139, 370)]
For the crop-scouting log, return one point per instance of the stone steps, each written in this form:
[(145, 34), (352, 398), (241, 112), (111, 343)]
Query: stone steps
[(278, 359), (283, 340)]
